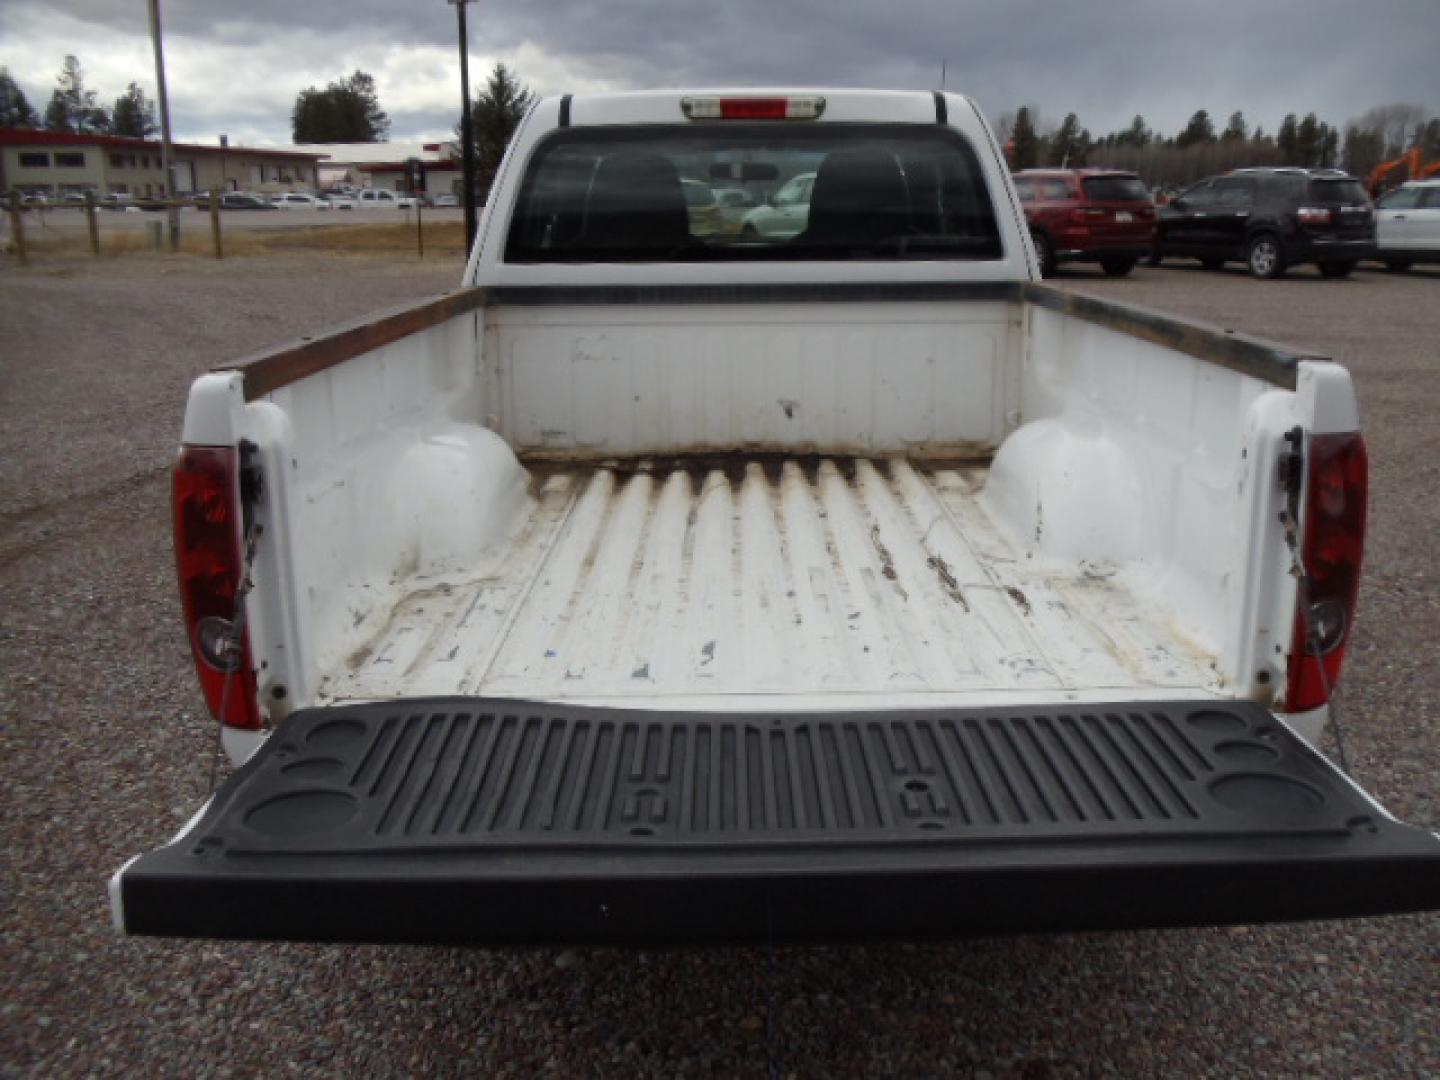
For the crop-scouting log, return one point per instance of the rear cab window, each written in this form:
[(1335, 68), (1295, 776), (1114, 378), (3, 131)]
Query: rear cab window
[(844, 191), (1114, 189)]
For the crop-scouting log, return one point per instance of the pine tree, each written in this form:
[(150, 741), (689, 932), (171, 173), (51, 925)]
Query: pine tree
[(15, 109), (1198, 130), (1137, 134), (1307, 142), (1288, 141), (1025, 143), (1235, 130), (1066, 147), (134, 114), (72, 108), (346, 111), (496, 114)]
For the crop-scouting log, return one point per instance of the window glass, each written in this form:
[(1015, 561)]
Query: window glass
[(1114, 189), (1339, 191), (1055, 188), (822, 191), (1431, 200), (1235, 192), (34, 161), (1026, 189), (70, 161), (1401, 199), (1202, 194)]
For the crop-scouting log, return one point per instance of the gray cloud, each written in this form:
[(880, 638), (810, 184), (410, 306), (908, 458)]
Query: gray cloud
[(238, 68)]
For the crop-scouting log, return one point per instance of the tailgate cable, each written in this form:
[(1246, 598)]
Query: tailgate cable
[(1292, 474)]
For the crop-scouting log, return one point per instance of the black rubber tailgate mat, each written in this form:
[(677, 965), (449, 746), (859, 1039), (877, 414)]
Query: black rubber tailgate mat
[(489, 821)]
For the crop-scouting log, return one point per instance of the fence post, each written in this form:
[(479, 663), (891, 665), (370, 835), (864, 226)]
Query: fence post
[(17, 228), (215, 222), (419, 226), (93, 222)]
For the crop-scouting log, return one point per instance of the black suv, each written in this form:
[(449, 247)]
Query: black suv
[(1271, 219)]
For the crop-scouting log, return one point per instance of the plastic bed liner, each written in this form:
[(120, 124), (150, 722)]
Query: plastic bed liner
[(495, 821)]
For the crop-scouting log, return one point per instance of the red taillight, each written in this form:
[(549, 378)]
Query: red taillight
[(208, 558), (1315, 215), (1332, 543)]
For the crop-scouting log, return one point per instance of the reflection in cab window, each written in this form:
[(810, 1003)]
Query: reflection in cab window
[(727, 191)]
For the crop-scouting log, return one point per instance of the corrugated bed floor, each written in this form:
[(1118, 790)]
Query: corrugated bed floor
[(768, 577)]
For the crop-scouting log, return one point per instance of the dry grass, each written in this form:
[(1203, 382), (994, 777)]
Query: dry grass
[(442, 238)]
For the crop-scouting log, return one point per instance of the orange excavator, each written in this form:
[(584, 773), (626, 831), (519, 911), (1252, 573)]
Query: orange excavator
[(1418, 170)]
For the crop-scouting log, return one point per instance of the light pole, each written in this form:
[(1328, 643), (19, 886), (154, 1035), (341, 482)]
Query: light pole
[(172, 211), (467, 137)]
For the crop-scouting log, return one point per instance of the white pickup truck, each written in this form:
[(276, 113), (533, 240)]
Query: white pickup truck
[(671, 583)]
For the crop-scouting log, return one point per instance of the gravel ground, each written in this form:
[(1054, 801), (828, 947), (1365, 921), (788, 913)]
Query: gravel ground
[(103, 750)]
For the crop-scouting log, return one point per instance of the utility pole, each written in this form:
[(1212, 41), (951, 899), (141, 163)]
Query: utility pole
[(467, 136), (172, 211)]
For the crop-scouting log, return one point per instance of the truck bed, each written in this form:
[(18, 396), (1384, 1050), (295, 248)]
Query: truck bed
[(732, 582)]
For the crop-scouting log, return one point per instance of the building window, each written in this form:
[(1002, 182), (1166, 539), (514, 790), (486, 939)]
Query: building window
[(69, 161), (34, 161), (117, 161)]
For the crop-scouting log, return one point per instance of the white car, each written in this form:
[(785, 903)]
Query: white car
[(443, 201), (339, 200), (785, 215), (1407, 225), (399, 200), (298, 200)]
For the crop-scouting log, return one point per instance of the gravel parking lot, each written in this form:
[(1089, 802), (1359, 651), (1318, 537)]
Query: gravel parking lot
[(104, 751)]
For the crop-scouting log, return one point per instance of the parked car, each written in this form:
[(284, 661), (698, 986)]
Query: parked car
[(784, 216), (668, 615), (1271, 219), (1087, 215), (116, 200), (240, 200), (339, 200), (298, 200), (445, 201), (384, 197), (1407, 225)]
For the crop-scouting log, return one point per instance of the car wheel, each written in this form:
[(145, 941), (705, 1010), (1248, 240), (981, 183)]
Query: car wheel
[(1156, 257), (1397, 266), (1338, 269), (1265, 257), (1045, 253), (1117, 267), (749, 232), (1213, 264)]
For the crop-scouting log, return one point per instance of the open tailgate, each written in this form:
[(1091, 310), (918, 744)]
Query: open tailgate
[(491, 821)]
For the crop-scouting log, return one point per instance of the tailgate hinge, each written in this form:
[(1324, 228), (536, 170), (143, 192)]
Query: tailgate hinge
[(1292, 474), (252, 484)]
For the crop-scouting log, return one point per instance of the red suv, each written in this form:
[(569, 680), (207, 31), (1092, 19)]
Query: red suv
[(1087, 215)]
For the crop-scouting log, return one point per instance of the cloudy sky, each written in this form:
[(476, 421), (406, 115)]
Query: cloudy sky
[(235, 67)]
